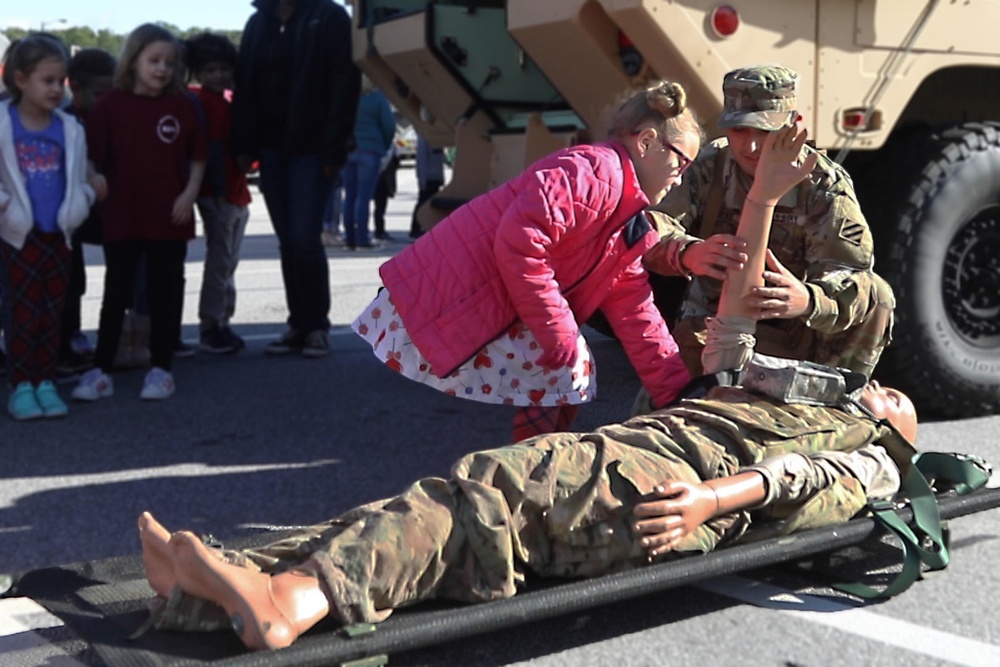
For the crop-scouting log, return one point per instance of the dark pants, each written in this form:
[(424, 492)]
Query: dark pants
[(381, 204), (431, 189), (71, 316), (33, 281), (384, 189), (295, 190), (164, 291)]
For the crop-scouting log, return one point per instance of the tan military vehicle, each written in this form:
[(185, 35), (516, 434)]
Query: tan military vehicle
[(905, 93)]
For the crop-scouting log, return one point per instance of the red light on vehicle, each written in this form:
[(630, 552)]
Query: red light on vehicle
[(725, 20), (854, 119), (861, 119), (623, 41)]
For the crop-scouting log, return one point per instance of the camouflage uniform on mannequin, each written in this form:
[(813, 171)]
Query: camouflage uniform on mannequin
[(562, 504), (818, 234)]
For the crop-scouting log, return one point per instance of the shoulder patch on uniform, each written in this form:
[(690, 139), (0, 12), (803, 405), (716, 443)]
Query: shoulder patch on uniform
[(852, 232)]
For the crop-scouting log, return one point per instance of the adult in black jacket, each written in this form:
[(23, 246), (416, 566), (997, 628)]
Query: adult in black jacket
[(295, 100)]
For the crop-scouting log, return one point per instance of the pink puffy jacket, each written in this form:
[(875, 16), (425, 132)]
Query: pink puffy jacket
[(549, 247)]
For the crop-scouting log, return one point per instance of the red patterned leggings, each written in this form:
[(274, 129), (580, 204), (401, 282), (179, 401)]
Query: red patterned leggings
[(33, 283), (532, 421)]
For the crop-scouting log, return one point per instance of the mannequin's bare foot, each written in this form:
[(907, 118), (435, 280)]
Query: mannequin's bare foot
[(243, 593), (157, 555)]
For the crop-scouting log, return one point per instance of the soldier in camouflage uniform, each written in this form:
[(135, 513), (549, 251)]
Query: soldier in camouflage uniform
[(824, 302), (558, 505)]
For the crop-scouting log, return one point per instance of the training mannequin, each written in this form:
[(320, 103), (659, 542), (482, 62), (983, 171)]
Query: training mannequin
[(681, 480)]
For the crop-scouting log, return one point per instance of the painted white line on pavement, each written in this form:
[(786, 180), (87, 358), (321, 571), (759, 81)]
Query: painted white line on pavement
[(10, 490), (19, 645), (877, 627)]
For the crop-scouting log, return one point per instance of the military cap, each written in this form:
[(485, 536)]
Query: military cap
[(761, 97)]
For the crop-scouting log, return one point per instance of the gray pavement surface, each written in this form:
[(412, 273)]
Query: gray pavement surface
[(251, 441)]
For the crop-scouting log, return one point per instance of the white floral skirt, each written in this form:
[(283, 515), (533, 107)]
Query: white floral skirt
[(502, 372)]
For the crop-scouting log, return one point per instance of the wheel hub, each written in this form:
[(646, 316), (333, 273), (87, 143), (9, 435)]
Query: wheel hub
[(971, 280)]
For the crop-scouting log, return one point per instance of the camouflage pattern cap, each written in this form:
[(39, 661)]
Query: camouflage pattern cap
[(761, 97)]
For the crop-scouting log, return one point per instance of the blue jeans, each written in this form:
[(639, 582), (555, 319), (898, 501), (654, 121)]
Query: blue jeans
[(360, 178), (295, 190)]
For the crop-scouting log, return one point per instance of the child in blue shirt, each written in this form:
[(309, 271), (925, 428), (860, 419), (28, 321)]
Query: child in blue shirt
[(44, 196)]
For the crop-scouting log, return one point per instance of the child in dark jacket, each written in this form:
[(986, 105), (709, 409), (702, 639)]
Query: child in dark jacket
[(224, 199), (91, 74)]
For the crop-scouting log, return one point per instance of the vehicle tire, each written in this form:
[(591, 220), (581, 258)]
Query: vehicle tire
[(944, 266)]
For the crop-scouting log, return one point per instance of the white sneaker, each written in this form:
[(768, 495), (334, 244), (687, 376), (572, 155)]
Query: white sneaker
[(332, 239), (94, 384), (159, 384)]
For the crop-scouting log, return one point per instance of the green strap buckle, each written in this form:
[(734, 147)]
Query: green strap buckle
[(371, 661), (925, 542), (357, 630), (361, 630)]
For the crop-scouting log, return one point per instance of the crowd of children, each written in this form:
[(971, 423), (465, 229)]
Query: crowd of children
[(123, 165)]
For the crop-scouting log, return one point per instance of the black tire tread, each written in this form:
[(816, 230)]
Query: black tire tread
[(930, 384)]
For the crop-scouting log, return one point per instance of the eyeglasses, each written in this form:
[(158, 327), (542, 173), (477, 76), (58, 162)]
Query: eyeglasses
[(685, 161)]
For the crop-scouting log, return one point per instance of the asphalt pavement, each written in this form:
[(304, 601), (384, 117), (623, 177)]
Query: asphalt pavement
[(251, 441)]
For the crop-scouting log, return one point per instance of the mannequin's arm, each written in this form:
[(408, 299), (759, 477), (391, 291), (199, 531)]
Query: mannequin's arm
[(677, 508), (779, 169)]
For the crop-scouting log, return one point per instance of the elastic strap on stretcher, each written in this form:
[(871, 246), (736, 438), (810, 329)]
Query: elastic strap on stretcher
[(925, 542)]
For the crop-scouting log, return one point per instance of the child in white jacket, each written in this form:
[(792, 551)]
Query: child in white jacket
[(44, 196)]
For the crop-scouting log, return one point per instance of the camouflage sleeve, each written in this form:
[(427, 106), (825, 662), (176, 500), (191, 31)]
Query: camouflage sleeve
[(839, 255), (665, 257), (840, 300), (794, 481), (678, 216), (837, 234)]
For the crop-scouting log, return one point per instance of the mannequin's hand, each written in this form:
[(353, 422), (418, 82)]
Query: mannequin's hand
[(674, 511), (782, 297), (779, 169)]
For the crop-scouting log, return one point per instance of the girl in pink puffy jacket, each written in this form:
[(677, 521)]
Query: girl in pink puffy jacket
[(488, 304)]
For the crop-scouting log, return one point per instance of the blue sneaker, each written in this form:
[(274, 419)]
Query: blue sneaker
[(48, 399), (22, 404)]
